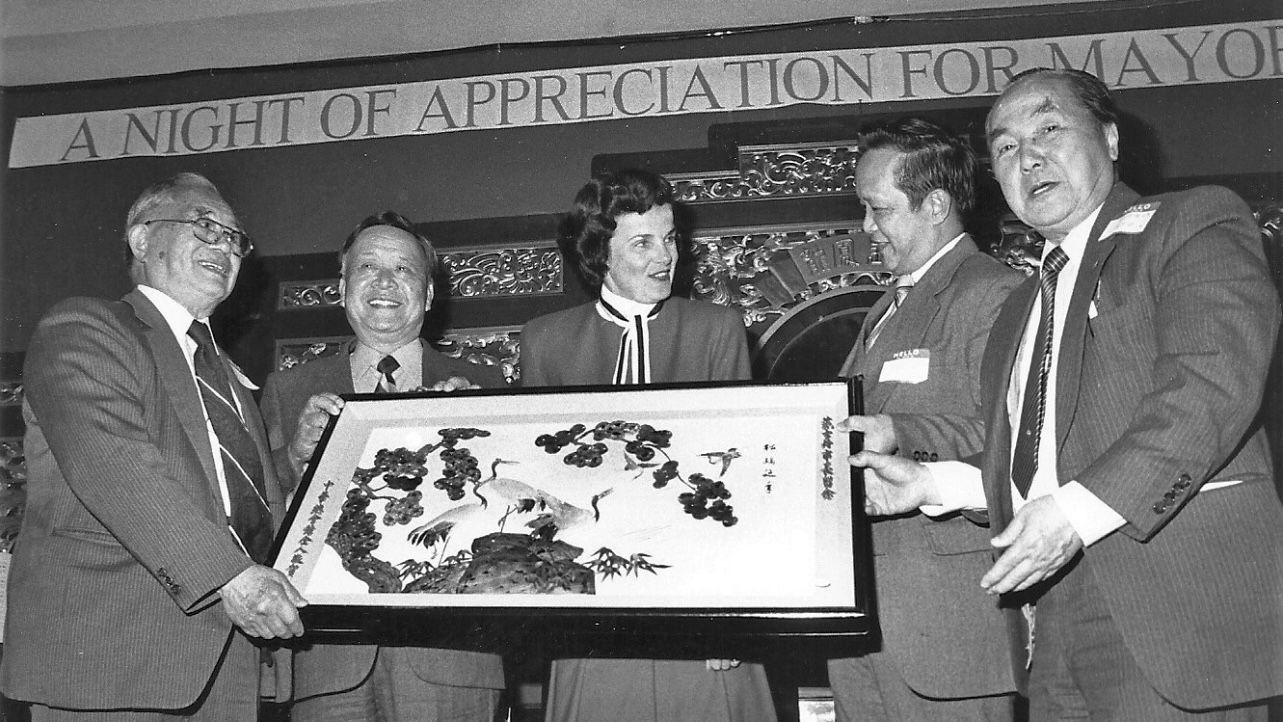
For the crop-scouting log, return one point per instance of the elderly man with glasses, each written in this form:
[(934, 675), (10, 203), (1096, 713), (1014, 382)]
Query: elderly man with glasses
[(138, 578)]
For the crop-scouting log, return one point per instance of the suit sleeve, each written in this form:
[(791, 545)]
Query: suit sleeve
[(1215, 321), (85, 381), (952, 435), (280, 429), (729, 350)]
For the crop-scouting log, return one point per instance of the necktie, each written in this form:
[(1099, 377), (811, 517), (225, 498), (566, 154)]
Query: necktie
[(1033, 409), (632, 365), (386, 366), (251, 519), (902, 287)]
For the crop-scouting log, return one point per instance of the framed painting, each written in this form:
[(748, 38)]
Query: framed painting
[(731, 504)]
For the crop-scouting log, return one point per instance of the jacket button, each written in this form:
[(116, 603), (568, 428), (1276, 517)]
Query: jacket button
[(935, 456), (1160, 508), (1169, 496)]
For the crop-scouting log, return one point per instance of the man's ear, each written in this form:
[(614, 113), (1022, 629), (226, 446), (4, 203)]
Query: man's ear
[(428, 294), (940, 203), (1111, 140), (342, 291), (137, 236)]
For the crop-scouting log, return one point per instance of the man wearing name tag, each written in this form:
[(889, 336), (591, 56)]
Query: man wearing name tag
[(1126, 474), (386, 288), (138, 577), (919, 355)]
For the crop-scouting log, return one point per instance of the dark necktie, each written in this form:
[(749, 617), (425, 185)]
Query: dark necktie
[(1033, 409), (251, 518), (387, 365), (902, 288)]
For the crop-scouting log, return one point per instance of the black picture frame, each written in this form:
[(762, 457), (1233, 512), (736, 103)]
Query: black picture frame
[(804, 413)]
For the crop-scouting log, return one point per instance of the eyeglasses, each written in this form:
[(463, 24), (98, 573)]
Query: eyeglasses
[(210, 231)]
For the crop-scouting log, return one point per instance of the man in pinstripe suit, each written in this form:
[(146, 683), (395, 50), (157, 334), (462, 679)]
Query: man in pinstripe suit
[(1125, 470), (137, 579)]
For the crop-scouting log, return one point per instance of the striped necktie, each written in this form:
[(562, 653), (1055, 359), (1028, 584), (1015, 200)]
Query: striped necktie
[(632, 365), (387, 365), (1033, 408), (903, 285), (251, 519)]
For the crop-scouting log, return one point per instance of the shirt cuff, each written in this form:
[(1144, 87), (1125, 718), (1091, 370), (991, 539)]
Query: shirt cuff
[(957, 485), (1090, 517)]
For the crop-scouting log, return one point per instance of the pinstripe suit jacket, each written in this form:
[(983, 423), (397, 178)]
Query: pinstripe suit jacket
[(328, 668), (124, 543), (1162, 366), (937, 624)]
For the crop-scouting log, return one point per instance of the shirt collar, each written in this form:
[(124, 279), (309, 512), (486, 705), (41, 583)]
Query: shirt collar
[(178, 318), (365, 356), (1074, 243), (916, 275), (625, 306)]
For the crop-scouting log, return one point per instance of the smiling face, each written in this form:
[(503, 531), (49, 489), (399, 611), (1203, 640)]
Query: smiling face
[(385, 287), (197, 275), (643, 254), (908, 236), (1053, 159)]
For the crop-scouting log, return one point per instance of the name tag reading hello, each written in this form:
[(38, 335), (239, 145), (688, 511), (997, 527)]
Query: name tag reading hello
[(910, 366)]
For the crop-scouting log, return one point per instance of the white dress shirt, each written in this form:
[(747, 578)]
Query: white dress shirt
[(960, 485)]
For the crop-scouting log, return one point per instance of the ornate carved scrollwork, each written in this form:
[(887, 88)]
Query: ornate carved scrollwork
[(771, 171), (308, 294), (497, 272), (10, 393), (13, 490)]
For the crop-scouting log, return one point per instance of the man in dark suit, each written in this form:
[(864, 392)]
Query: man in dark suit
[(137, 577), (386, 288), (1125, 470), (919, 355)]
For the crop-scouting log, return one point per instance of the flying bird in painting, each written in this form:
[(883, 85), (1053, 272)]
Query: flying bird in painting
[(722, 457)]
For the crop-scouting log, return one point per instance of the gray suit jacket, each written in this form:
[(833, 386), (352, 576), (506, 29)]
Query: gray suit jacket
[(690, 341), (1163, 361), (943, 632), (125, 541), (328, 668)]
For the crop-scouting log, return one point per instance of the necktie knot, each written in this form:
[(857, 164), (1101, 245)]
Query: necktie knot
[(199, 333), (1055, 260), (902, 288), (903, 285), (387, 366)]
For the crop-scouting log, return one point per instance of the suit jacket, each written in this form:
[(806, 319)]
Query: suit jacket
[(690, 341), (937, 624), (327, 668), (1162, 365), (125, 540)]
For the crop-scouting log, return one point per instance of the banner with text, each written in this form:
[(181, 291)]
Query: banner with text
[(1156, 57)]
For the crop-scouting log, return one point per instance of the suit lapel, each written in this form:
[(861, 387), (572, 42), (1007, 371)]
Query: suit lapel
[(908, 328), (176, 377), (857, 361), (999, 361), (1074, 338)]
